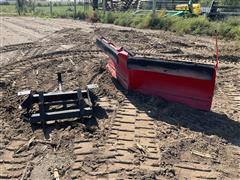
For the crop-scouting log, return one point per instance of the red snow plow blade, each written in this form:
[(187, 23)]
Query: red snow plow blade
[(183, 82)]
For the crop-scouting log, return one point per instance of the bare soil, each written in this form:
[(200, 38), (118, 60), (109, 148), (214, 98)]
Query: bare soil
[(131, 136)]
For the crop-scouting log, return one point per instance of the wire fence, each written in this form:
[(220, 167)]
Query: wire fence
[(78, 8), (82, 8), (45, 8)]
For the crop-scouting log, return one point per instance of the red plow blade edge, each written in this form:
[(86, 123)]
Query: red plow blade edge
[(183, 82)]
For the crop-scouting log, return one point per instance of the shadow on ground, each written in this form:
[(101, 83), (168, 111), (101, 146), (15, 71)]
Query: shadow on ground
[(209, 123), (89, 124)]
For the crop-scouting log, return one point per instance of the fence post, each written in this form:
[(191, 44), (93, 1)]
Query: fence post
[(33, 8), (75, 8), (154, 6), (84, 6), (50, 5), (18, 5), (104, 6)]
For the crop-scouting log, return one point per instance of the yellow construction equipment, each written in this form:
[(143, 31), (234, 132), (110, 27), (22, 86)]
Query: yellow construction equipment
[(192, 8)]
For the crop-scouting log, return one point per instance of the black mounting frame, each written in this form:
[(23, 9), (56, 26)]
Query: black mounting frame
[(58, 105)]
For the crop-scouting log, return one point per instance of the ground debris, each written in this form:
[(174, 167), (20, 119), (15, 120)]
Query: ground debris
[(26, 146), (204, 155), (27, 171), (56, 174)]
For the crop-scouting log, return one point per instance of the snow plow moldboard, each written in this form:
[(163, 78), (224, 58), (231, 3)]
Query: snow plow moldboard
[(183, 82)]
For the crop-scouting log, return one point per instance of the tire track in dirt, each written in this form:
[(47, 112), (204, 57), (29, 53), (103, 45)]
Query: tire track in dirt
[(13, 163), (36, 21), (31, 35), (22, 28), (57, 24), (229, 90), (86, 148), (11, 35), (15, 47), (30, 26), (16, 52), (30, 52), (45, 45), (11, 71), (134, 128), (173, 54), (195, 170), (34, 58), (131, 145)]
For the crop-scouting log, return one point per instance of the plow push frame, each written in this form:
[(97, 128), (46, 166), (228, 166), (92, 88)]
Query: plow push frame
[(57, 105), (188, 83)]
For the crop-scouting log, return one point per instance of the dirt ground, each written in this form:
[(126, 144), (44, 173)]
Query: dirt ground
[(131, 136)]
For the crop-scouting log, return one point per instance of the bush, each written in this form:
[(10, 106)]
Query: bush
[(227, 29), (140, 22), (40, 12), (229, 32), (199, 25), (160, 22), (123, 19), (109, 17), (81, 15)]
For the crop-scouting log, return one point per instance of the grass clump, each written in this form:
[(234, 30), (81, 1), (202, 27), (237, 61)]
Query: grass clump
[(109, 17), (195, 25), (7, 9), (227, 29), (123, 19), (160, 22)]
